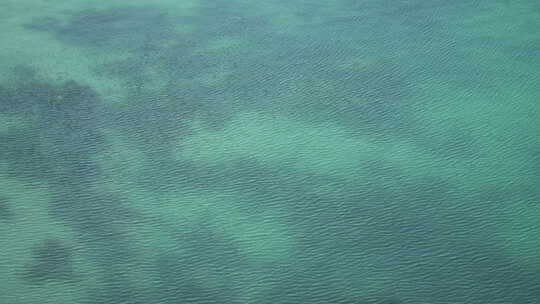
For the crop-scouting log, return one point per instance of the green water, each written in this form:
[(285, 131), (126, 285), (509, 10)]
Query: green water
[(212, 151)]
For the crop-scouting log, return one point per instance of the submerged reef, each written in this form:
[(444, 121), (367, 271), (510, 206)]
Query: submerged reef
[(5, 212), (58, 129), (51, 261)]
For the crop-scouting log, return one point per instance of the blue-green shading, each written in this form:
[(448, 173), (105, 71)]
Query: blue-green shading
[(197, 151)]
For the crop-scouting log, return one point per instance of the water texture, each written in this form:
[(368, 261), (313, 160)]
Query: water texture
[(212, 151)]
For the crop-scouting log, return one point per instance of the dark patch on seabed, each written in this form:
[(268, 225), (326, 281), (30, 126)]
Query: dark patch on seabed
[(148, 120), (122, 27), (57, 147), (51, 261), (209, 250), (5, 212), (62, 134)]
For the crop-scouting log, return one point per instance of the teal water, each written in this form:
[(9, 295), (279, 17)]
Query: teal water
[(212, 151)]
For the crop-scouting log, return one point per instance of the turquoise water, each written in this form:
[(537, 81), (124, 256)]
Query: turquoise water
[(212, 151)]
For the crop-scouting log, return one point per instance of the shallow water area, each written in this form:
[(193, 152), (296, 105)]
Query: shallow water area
[(199, 151)]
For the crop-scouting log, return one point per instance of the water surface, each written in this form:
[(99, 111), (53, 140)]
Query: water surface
[(212, 151)]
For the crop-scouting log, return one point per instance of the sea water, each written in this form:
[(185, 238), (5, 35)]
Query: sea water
[(212, 151)]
